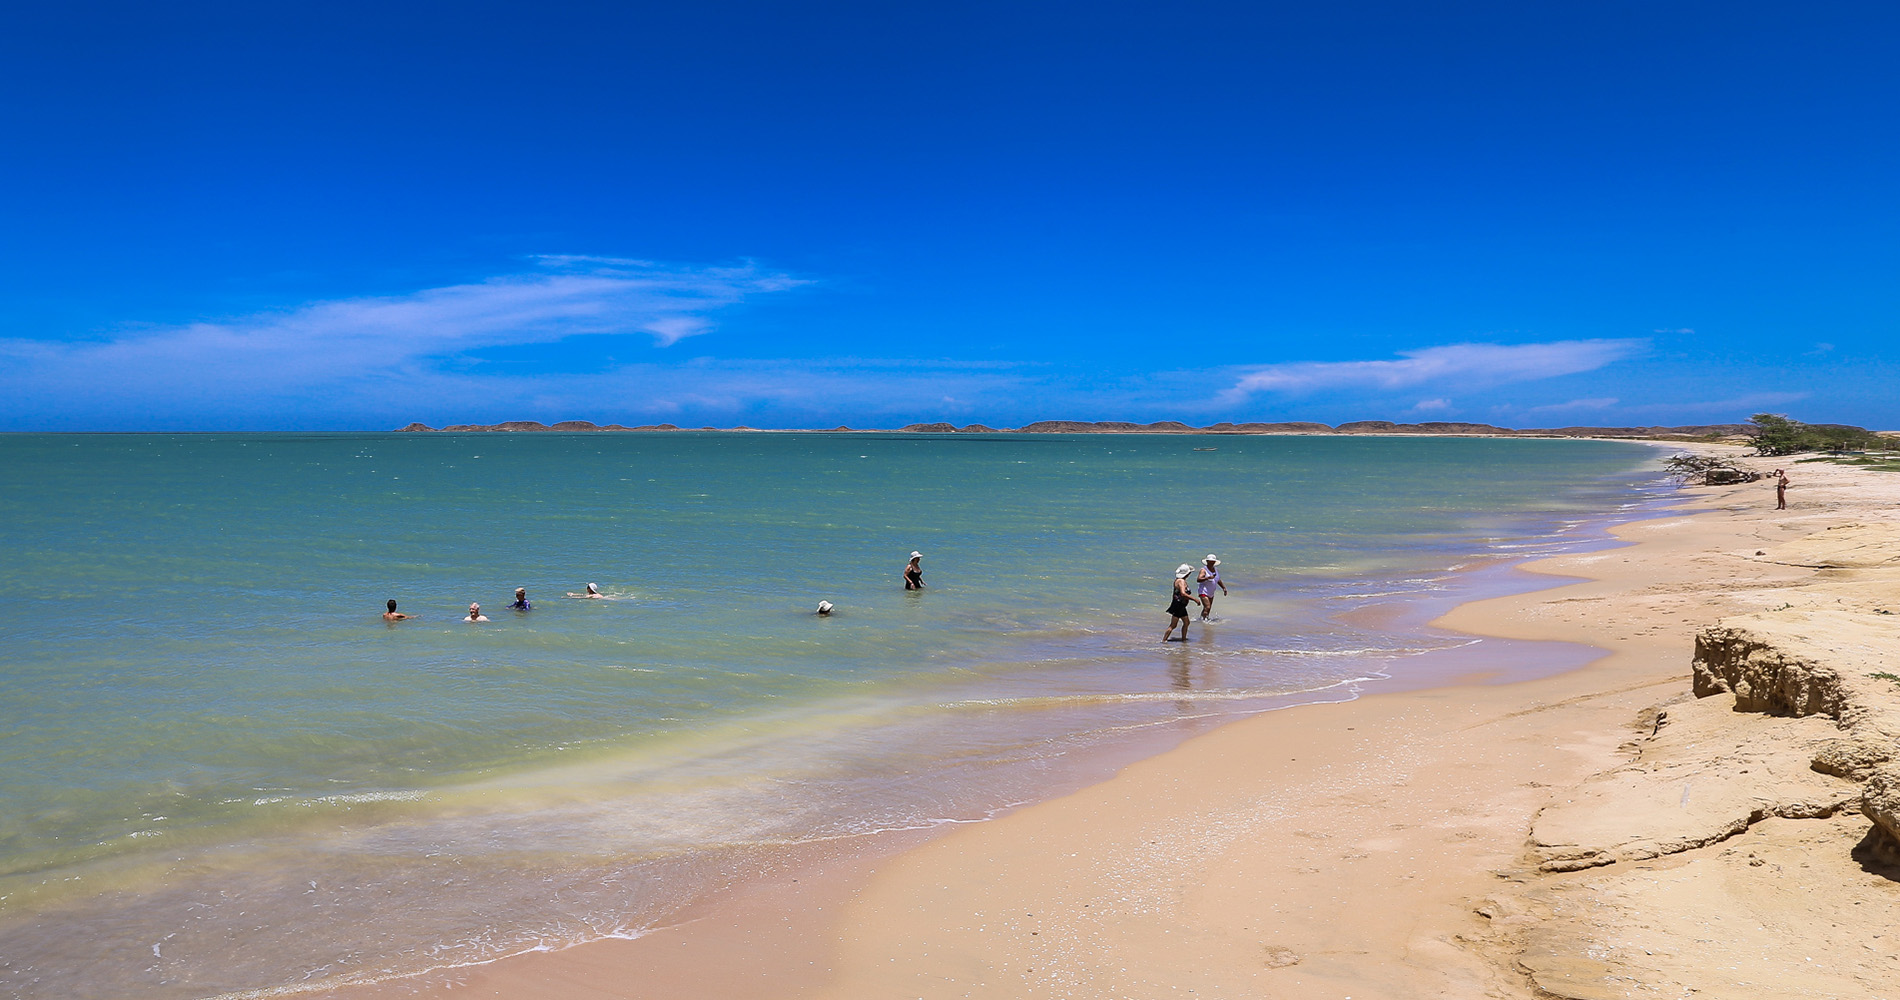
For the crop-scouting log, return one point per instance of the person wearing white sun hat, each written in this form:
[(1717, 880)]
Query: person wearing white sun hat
[(1178, 602), (914, 572), (1209, 578)]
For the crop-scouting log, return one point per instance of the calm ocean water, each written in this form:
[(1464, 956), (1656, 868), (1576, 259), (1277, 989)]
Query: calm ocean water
[(222, 771)]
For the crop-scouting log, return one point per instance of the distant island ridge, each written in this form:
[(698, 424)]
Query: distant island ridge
[(1696, 432)]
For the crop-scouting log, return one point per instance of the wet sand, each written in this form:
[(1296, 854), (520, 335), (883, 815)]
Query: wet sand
[(1376, 848)]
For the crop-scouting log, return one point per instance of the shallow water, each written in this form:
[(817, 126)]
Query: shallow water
[(223, 771)]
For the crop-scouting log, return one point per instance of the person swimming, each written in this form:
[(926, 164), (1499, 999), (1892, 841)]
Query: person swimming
[(475, 614), (824, 608), (392, 615), (593, 591), (521, 600), (914, 572)]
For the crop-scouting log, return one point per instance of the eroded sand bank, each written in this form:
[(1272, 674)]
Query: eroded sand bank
[(1601, 833)]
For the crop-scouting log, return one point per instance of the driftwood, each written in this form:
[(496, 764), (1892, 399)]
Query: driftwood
[(1709, 470)]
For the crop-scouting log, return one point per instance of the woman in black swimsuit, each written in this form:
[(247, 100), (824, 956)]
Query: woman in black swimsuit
[(1178, 607), (914, 572)]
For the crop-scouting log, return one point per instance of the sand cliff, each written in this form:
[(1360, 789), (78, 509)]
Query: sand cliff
[(1747, 845)]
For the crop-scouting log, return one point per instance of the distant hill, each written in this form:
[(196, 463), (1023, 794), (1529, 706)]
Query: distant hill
[(1694, 432)]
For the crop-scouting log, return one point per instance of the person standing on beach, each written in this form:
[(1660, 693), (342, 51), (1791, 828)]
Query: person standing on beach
[(392, 615), (521, 600), (1781, 489), (1178, 604), (1209, 579), (914, 572), (475, 614)]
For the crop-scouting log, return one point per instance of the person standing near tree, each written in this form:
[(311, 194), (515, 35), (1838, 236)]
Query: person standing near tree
[(1781, 489)]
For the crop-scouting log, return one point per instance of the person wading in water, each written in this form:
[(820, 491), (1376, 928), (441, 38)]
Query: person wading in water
[(1209, 579), (914, 572), (1178, 604)]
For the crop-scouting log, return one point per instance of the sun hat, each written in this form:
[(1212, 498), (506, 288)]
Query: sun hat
[(824, 607), (916, 555), (593, 588), (1184, 570), (1210, 558)]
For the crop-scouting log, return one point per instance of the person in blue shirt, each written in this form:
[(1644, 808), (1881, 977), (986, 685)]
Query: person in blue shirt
[(521, 600)]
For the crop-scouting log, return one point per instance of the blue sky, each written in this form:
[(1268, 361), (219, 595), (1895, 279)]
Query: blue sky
[(341, 216)]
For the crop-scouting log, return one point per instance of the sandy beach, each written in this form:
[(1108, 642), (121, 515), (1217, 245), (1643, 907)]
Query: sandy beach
[(1600, 833)]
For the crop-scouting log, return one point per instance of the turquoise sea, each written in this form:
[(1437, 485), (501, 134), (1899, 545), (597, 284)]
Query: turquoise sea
[(223, 772)]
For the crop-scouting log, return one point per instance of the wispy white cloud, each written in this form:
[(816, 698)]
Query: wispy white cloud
[(1467, 364), (1717, 408), (385, 343), (1576, 405), (1438, 405)]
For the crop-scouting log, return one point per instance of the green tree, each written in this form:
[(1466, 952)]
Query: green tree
[(1775, 434)]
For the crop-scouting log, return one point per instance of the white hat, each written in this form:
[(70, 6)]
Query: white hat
[(593, 588), (1184, 570), (916, 555), (824, 607), (1210, 558)]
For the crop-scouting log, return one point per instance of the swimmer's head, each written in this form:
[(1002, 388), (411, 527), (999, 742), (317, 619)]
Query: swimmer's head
[(474, 609), (593, 588), (392, 604), (521, 591), (824, 607)]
